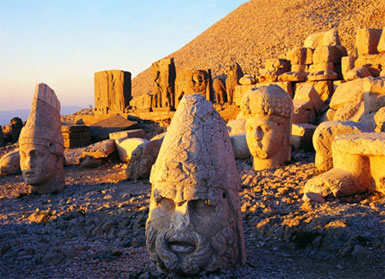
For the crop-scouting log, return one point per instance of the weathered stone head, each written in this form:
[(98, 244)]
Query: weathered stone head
[(41, 144), (268, 111), (195, 221), (199, 81)]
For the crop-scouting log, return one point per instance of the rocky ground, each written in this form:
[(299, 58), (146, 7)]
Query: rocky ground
[(95, 228)]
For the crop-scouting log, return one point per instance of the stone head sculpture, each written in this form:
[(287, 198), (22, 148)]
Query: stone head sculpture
[(195, 222), (41, 144), (199, 81), (268, 111)]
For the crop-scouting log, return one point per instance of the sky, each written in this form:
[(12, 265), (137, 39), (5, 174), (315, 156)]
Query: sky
[(64, 42)]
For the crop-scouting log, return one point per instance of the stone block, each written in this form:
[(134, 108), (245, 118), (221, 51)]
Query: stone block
[(303, 112), (127, 146), (324, 88), (293, 76), (112, 91), (277, 65), (379, 119), (360, 72), (348, 92), (240, 148), (307, 92), (99, 150), (322, 75), (325, 54), (301, 136), (163, 78), (324, 136), (381, 43), (374, 62), (328, 38), (297, 55), (137, 133), (76, 136), (142, 159), (298, 68), (247, 80), (367, 40), (347, 64), (324, 66)]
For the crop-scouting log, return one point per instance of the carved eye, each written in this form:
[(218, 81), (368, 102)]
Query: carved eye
[(202, 207), (166, 204)]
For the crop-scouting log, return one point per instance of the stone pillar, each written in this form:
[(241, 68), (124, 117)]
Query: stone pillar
[(112, 91)]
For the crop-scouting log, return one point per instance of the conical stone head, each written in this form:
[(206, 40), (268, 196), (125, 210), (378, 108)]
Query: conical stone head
[(41, 143), (195, 221)]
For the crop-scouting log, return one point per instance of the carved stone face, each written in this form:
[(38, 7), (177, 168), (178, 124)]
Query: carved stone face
[(39, 166), (187, 236), (264, 137)]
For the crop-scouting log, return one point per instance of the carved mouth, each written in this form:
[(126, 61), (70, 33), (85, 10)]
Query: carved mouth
[(29, 174), (181, 243), (181, 246)]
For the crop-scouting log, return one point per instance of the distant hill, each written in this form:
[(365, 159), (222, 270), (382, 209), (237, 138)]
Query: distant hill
[(7, 115), (261, 29)]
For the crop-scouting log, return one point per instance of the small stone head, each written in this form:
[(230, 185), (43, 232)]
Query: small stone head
[(268, 112), (41, 144), (199, 81), (194, 222)]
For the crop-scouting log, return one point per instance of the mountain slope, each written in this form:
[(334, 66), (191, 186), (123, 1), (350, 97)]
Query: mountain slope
[(261, 29)]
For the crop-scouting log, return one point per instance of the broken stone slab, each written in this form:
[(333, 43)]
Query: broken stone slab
[(99, 150), (306, 92), (302, 135), (136, 133), (10, 163), (142, 159), (367, 40), (328, 38), (324, 135), (240, 148), (126, 147)]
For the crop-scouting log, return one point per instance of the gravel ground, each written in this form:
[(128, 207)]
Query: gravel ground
[(95, 228)]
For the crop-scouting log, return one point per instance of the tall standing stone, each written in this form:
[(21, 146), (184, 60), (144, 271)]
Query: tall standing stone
[(112, 91), (163, 77), (41, 144)]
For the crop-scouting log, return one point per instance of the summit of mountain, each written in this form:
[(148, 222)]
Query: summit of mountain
[(262, 29)]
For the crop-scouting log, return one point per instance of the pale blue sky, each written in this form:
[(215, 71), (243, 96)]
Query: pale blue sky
[(63, 42)]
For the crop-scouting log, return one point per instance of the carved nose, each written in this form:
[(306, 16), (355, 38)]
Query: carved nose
[(182, 218)]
